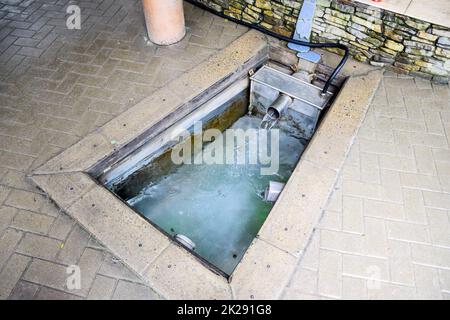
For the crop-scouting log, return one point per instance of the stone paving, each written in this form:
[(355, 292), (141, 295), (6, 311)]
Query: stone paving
[(57, 85), (384, 234)]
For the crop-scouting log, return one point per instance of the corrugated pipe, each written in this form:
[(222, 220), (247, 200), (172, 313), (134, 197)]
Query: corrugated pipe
[(287, 39)]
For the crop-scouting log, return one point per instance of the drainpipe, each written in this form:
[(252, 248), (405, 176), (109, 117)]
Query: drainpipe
[(164, 20)]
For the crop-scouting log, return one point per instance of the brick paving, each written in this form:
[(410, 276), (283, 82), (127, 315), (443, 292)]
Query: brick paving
[(57, 85), (384, 234)]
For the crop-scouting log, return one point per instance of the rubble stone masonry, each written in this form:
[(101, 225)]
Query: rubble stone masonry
[(377, 36)]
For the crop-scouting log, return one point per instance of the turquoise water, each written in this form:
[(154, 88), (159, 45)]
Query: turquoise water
[(219, 207)]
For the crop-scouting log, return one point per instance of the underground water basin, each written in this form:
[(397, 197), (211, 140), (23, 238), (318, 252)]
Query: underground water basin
[(210, 180)]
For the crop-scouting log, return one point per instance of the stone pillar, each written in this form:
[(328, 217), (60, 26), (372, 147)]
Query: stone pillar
[(164, 20)]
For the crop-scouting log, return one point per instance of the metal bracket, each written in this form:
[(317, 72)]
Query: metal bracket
[(303, 31)]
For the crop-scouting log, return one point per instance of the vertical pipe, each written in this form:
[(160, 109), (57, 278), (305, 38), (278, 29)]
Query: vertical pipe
[(164, 20)]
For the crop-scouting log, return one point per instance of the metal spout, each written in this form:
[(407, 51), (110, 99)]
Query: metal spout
[(278, 106)]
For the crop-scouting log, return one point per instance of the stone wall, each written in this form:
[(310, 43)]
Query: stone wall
[(374, 35)]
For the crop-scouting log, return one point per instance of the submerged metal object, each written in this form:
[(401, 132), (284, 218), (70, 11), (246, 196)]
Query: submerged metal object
[(301, 116), (273, 191), (185, 241)]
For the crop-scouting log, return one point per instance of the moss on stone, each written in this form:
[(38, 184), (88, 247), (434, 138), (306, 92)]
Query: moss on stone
[(372, 34)]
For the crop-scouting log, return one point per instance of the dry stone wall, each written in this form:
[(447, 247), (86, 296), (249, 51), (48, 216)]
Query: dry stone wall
[(380, 37)]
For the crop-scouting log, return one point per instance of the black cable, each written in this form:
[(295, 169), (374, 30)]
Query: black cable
[(284, 38)]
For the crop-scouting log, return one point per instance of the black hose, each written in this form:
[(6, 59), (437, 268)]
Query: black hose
[(284, 38)]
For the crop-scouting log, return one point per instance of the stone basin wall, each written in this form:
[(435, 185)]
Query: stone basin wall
[(380, 37)]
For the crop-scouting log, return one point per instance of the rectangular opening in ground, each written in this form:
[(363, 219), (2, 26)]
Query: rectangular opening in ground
[(209, 180)]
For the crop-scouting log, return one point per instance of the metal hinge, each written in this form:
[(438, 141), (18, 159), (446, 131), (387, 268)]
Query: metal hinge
[(303, 30)]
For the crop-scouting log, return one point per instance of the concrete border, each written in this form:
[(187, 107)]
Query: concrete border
[(170, 270)]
